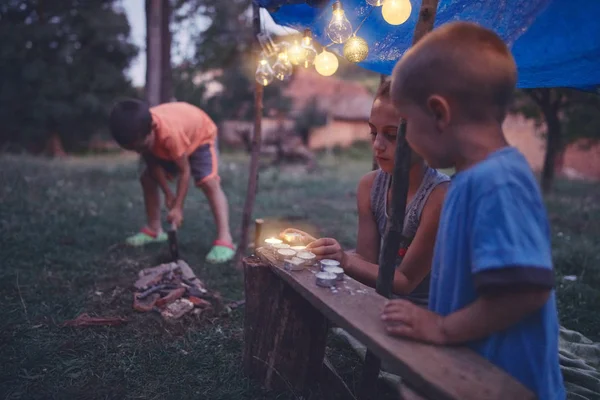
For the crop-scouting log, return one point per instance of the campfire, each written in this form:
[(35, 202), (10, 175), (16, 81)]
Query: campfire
[(173, 290)]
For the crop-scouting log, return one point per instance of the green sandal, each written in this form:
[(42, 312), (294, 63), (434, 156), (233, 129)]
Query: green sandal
[(221, 252), (144, 237)]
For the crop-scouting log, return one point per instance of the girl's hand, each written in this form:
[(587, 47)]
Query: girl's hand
[(327, 248), (306, 238)]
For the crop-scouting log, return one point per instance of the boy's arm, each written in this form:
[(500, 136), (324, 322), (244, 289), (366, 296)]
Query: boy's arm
[(511, 269), (159, 175), (183, 164), (483, 317)]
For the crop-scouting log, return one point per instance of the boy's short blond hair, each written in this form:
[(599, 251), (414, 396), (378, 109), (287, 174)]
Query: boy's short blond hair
[(465, 63)]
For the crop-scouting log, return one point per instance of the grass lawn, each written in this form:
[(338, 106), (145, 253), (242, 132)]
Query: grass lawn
[(60, 226)]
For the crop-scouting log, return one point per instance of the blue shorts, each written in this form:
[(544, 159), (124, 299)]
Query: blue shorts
[(203, 164)]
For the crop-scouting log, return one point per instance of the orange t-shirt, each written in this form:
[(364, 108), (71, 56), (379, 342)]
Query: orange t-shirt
[(180, 129)]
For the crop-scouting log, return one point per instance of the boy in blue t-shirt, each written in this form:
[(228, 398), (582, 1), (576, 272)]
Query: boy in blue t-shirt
[(492, 279)]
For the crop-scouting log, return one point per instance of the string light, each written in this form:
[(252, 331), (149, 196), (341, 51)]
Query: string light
[(282, 68), (356, 49), (309, 50), (264, 73), (296, 53), (339, 29), (396, 12), (326, 63)]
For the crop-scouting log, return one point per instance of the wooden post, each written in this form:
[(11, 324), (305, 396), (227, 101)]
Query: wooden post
[(284, 335), (395, 223), (258, 223), (255, 153)]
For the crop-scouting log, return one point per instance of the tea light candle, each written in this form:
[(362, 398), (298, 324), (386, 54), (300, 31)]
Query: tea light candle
[(284, 254), (271, 241), (337, 271), (325, 279), (278, 246), (329, 263), (298, 248), (306, 256), (293, 264)]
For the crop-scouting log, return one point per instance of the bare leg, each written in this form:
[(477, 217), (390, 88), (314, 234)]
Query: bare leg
[(151, 201), (219, 207)]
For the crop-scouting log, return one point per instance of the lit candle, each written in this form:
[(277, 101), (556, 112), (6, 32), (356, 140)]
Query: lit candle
[(271, 241)]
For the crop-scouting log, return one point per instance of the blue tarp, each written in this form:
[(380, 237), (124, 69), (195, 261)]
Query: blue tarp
[(556, 43)]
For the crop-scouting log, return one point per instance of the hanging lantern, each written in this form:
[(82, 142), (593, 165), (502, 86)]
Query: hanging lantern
[(356, 49), (309, 50), (375, 3), (296, 53), (264, 73), (339, 29), (326, 63), (282, 67), (396, 12)]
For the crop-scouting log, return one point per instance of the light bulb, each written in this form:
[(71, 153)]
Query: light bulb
[(264, 73), (282, 68), (396, 12), (375, 3), (309, 50), (296, 53), (356, 49), (326, 63), (339, 29)]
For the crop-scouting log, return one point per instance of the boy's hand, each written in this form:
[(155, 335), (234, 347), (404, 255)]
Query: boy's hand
[(327, 248), (175, 216), (403, 318), (306, 238)]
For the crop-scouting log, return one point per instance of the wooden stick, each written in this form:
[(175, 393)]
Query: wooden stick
[(258, 223), (256, 143), (395, 223)]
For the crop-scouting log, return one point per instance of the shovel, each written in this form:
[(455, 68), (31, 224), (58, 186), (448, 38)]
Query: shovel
[(173, 246)]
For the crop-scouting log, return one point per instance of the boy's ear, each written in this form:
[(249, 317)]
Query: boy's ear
[(440, 109)]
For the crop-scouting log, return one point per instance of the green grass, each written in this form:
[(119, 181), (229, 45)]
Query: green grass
[(60, 226)]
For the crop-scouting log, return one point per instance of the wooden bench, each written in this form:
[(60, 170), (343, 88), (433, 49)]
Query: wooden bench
[(286, 323)]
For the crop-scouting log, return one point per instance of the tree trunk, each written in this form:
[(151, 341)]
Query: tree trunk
[(166, 82), (154, 63), (284, 335), (553, 149)]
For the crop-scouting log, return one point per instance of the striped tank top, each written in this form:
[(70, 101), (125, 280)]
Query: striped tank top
[(412, 217)]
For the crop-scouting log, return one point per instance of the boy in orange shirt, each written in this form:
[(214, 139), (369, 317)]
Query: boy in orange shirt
[(173, 138)]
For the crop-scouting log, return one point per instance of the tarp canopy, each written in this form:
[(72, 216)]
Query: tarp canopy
[(556, 43)]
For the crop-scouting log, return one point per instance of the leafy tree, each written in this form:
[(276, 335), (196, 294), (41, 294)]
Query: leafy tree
[(62, 64), (569, 115)]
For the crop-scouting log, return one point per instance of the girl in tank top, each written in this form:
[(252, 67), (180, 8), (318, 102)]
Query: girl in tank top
[(426, 192)]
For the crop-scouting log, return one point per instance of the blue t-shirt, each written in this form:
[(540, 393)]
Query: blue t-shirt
[(493, 235)]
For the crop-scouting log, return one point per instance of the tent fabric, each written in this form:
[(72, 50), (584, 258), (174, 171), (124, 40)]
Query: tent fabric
[(556, 43)]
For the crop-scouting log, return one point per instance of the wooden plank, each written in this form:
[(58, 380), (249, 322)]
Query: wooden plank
[(284, 335), (407, 393), (447, 373)]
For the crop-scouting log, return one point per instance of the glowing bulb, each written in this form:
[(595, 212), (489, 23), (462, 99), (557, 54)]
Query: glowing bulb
[(296, 53), (264, 73), (309, 50), (356, 49), (396, 12), (339, 29), (375, 3), (282, 68), (326, 63)]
